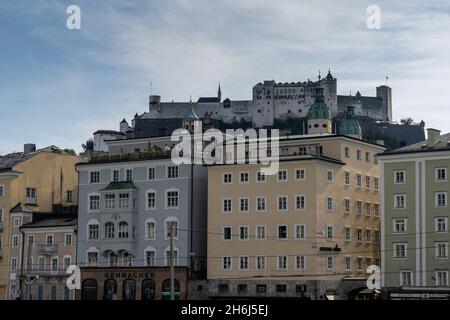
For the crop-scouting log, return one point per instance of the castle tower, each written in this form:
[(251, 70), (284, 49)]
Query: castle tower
[(219, 93), (124, 127), (189, 118), (319, 115), (349, 126), (385, 93), (154, 103), (329, 84)]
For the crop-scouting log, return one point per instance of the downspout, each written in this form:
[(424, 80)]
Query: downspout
[(22, 249), (191, 219)]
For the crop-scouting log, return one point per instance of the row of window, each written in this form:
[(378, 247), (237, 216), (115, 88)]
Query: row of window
[(440, 200), (299, 233), (122, 200), (300, 204), (172, 172), (127, 260), (300, 175), (282, 263), (440, 278), (400, 250), (49, 240), (31, 195), (440, 175), (359, 153), (400, 225), (42, 264), (242, 288)]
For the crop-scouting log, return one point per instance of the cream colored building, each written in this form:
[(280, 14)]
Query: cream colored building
[(301, 231), (37, 179)]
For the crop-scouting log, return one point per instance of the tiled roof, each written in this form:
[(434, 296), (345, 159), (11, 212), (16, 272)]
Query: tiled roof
[(120, 185), (422, 146), (48, 220)]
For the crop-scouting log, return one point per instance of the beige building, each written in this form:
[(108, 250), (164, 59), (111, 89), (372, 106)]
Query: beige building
[(37, 179), (301, 231)]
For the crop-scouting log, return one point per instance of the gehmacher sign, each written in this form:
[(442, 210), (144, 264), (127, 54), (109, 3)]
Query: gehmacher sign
[(129, 275)]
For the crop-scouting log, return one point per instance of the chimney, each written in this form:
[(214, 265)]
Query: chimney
[(29, 147), (433, 136)]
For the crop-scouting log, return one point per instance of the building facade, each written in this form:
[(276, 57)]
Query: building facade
[(127, 203), (37, 179), (300, 232), (415, 216)]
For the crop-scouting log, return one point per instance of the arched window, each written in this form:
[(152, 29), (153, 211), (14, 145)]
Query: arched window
[(109, 230), (165, 293), (123, 230), (89, 289), (148, 289), (110, 290), (129, 289)]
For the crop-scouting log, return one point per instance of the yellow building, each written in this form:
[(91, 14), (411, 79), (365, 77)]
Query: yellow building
[(38, 179), (300, 232)]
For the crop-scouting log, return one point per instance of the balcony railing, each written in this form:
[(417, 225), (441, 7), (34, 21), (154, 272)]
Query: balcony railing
[(149, 154), (48, 249), (42, 273)]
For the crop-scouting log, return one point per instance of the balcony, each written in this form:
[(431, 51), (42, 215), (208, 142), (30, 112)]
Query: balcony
[(47, 249), (23, 274)]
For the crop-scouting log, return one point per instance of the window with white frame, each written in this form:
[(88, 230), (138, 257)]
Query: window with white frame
[(300, 174), (282, 175), (16, 222), (376, 184), (94, 202), (300, 202), (110, 201), (243, 204), (150, 230), (300, 231), (243, 263), (300, 263), (282, 263), (400, 201), (54, 264), (368, 182), (124, 200), (348, 263), (400, 250), (150, 257), (282, 232), (358, 154), (330, 263), (151, 173), (347, 152), (329, 232), (360, 263), (368, 261), (49, 239), (368, 235), (151, 199), (441, 224), (123, 230), (93, 231), (359, 234), (260, 176), (399, 177), (109, 230), (406, 278), (376, 209), (359, 205), (243, 177), (400, 225), (41, 263), (2, 190), (227, 178), (441, 250), (168, 223), (441, 174), (115, 175), (129, 174), (226, 263), (358, 181), (15, 241), (367, 156), (282, 203), (172, 199), (441, 277), (261, 204), (260, 263), (368, 209), (243, 233), (260, 232), (329, 175), (347, 206), (31, 195), (226, 233), (329, 204), (346, 178), (30, 242), (376, 235), (68, 239), (94, 176), (226, 205), (441, 199), (302, 150), (347, 233), (67, 260), (14, 264), (172, 172), (92, 258)]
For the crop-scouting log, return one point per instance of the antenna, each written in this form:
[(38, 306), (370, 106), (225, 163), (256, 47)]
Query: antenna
[(151, 88), (387, 78)]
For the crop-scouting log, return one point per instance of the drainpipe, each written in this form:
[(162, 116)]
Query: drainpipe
[(191, 258), (22, 249)]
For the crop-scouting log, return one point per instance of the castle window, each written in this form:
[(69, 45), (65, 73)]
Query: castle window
[(316, 125), (324, 125), (259, 110)]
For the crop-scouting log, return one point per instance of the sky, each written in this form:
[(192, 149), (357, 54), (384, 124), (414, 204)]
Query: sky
[(58, 86)]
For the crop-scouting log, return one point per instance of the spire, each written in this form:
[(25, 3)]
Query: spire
[(329, 76), (319, 76), (219, 93)]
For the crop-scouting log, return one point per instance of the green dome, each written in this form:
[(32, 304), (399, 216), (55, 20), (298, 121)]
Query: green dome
[(349, 125), (319, 110)]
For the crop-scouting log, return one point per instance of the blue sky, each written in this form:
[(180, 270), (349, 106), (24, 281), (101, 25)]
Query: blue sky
[(58, 86)]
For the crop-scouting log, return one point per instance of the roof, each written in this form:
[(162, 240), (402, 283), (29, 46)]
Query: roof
[(208, 99), (349, 125), (110, 132), (20, 208), (422, 146), (49, 220), (190, 114), (120, 185)]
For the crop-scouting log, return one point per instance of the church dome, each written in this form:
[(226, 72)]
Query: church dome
[(349, 125), (319, 110)]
